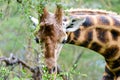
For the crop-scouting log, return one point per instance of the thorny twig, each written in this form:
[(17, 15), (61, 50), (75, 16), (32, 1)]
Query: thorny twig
[(77, 59)]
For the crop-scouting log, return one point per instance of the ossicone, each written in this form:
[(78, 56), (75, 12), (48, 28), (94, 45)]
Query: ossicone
[(59, 13)]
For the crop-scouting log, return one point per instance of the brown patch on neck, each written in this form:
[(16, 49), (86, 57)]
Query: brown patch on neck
[(111, 52), (103, 20), (95, 46), (102, 35), (76, 34), (114, 64), (116, 22), (88, 22), (115, 34), (88, 37)]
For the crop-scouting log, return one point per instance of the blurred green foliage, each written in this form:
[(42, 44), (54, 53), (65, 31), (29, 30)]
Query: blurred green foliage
[(3, 72), (16, 35)]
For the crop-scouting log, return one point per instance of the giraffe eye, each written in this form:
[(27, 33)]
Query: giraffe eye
[(64, 19)]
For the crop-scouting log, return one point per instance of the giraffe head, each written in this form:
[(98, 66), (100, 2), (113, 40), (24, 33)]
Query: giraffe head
[(52, 33)]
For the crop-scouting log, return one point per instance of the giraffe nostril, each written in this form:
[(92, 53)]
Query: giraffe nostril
[(52, 70)]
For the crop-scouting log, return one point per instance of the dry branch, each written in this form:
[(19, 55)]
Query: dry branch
[(37, 71), (12, 60), (77, 59)]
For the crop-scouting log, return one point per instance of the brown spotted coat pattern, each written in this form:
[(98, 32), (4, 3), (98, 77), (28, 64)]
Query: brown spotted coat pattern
[(100, 32)]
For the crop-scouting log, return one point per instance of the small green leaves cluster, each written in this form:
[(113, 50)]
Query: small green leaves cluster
[(72, 71), (36, 30), (1, 14), (3, 72), (40, 6)]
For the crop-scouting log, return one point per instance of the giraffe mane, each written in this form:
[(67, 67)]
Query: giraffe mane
[(90, 11)]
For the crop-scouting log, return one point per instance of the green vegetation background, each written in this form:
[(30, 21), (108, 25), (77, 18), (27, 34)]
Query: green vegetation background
[(16, 36)]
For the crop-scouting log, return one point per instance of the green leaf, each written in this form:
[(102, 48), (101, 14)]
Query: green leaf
[(1, 14), (84, 75), (16, 78)]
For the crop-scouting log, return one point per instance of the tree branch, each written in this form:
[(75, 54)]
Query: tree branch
[(12, 60), (77, 59)]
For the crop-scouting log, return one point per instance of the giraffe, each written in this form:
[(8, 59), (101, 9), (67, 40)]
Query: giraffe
[(50, 34), (97, 30)]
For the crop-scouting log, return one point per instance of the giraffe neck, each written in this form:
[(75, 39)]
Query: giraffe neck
[(100, 33)]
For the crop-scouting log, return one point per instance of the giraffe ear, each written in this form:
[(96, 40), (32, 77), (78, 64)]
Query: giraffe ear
[(75, 24), (34, 21)]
